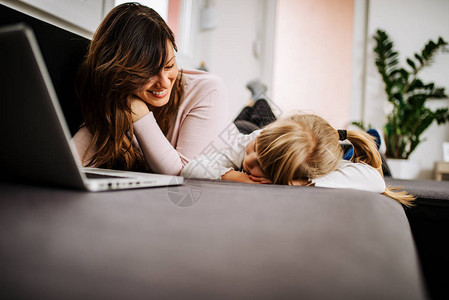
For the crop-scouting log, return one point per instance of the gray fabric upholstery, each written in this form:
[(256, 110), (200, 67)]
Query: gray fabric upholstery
[(206, 239), (433, 192), (429, 221)]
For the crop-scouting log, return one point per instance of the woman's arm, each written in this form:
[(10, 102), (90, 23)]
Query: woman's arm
[(204, 117), (351, 175), (160, 155)]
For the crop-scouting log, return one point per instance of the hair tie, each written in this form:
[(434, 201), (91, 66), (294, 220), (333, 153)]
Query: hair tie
[(342, 134)]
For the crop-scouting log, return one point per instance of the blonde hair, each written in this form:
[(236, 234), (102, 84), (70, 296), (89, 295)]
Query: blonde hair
[(305, 146)]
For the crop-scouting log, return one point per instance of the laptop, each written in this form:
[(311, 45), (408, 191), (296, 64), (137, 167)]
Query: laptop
[(36, 144)]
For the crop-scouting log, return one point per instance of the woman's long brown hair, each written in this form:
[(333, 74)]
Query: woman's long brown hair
[(128, 48)]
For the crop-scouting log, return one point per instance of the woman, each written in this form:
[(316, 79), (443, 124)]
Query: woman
[(140, 112)]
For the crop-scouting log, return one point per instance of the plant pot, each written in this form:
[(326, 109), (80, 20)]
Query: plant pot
[(403, 168)]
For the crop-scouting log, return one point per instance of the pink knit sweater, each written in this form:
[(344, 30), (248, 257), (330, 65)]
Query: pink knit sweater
[(202, 117)]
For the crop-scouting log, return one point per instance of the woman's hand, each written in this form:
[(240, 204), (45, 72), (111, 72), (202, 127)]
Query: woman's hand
[(238, 177), (262, 180), (138, 108)]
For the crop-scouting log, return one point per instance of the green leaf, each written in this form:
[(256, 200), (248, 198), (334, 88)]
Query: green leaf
[(438, 93), (441, 115), (416, 84), (411, 63), (359, 124), (430, 86), (441, 42), (416, 101), (419, 58)]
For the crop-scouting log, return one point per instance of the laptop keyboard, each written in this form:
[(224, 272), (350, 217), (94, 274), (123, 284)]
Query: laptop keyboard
[(104, 176)]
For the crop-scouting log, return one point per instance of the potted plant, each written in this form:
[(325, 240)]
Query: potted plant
[(407, 93)]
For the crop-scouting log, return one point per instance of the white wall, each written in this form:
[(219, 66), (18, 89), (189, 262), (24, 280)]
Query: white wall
[(313, 58), (358, 59), (410, 24), (228, 50), (65, 14)]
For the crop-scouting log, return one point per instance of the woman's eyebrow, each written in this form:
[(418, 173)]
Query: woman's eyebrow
[(171, 59)]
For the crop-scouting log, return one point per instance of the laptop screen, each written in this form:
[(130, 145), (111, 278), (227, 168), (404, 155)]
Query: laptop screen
[(63, 53)]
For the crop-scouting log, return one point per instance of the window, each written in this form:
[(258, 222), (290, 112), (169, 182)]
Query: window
[(161, 6), (177, 14)]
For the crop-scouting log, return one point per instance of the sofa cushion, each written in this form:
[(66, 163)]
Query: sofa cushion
[(429, 221), (429, 192), (234, 241)]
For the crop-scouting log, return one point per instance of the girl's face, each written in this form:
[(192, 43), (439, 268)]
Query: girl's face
[(251, 163), (158, 89)]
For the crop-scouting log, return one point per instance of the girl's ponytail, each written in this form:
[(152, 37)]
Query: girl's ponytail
[(365, 150)]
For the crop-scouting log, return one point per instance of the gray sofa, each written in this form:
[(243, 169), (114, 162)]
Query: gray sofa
[(429, 222), (205, 239)]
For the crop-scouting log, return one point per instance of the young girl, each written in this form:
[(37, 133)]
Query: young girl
[(302, 149)]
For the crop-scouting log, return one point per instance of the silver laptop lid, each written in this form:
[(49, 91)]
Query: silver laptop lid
[(35, 138)]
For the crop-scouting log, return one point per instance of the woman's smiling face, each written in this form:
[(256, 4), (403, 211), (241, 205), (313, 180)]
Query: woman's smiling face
[(251, 163), (158, 89)]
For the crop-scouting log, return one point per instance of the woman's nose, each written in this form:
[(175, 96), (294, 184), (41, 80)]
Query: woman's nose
[(163, 79)]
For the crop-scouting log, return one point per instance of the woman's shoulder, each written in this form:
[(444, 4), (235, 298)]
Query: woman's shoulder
[(200, 81), (82, 136), (203, 89), (81, 141)]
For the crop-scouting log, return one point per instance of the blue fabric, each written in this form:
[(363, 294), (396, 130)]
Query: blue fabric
[(374, 133)]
